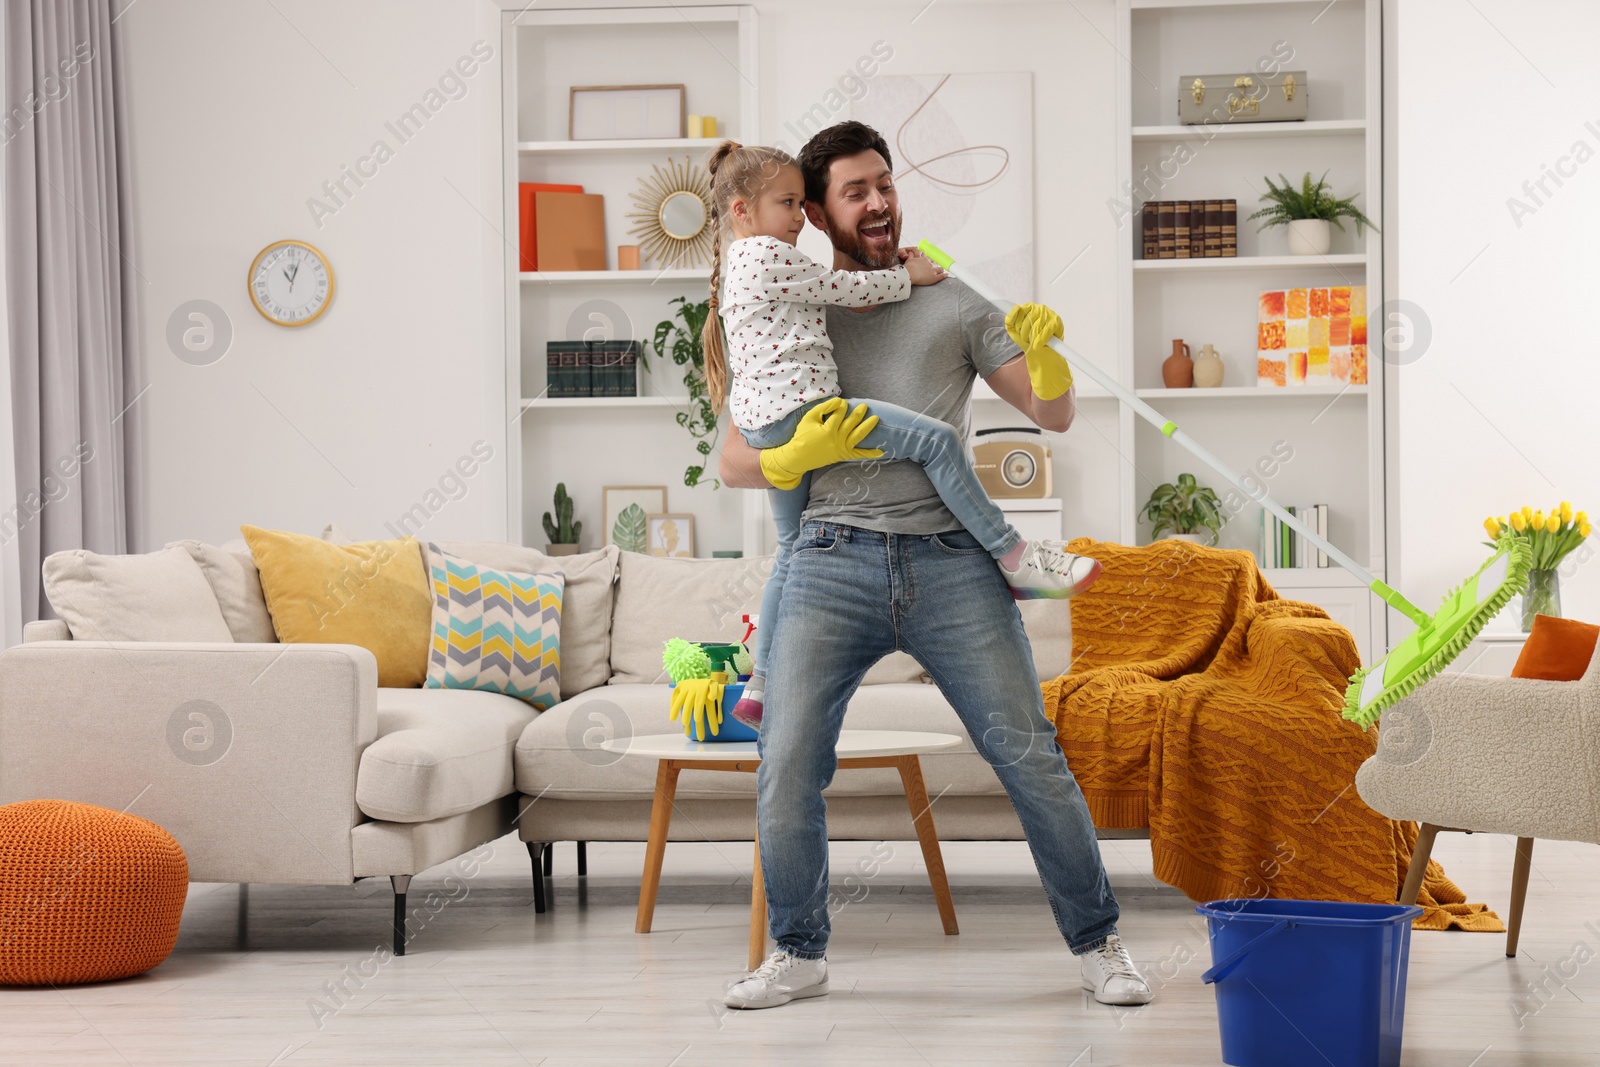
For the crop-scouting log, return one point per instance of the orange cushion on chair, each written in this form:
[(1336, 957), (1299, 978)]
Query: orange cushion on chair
[(86, 894), (1558, 650)]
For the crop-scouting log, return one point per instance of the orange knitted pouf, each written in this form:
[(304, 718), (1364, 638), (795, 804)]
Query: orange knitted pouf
[(86, 894)]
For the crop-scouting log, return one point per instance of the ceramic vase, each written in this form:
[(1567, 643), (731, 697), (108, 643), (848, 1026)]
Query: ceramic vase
[(1178, 370), (1208, 368), (561, 550), (1310, 237)]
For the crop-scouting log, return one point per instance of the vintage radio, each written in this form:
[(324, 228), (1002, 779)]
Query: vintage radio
[(1012, 462), (1223, 98)]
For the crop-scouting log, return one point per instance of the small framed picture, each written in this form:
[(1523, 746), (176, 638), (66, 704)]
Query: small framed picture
[(625, 112), (626, 509), (672, 535)]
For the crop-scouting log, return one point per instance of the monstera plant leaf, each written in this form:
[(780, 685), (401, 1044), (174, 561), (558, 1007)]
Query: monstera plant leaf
[(629, 529)]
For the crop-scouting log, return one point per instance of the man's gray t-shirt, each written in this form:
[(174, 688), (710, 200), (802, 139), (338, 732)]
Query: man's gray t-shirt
[(922, 353)]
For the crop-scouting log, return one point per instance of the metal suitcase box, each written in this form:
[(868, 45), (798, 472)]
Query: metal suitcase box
[(1254, 97)]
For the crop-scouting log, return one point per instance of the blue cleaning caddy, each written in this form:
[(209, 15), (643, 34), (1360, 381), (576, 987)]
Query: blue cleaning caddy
[(1309, 981)]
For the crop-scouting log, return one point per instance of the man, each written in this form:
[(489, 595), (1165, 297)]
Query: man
[(881, 565)]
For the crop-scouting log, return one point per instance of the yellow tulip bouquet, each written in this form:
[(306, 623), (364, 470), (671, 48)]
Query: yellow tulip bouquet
[(1551, 536)]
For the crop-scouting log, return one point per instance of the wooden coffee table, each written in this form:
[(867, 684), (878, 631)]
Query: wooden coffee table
[(857, 748)]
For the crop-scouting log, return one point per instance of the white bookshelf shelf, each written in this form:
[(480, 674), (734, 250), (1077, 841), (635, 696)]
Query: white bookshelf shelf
[(1246, 131), (1223, 263), (591, 277), (590, 402), (640, 144), (1262, 392), (1087, 390)]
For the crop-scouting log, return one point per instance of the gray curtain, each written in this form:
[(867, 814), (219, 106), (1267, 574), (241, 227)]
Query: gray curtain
[(75, 366)]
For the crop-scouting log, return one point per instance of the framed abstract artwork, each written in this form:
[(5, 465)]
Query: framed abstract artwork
[(1312, 337)]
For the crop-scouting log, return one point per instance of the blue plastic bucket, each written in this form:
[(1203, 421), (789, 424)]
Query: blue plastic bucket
[(731, 729), (1309, 981)]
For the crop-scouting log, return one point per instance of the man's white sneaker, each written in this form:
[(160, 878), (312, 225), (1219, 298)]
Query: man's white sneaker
[(1109, 973), (1048, 570), (779, 980)]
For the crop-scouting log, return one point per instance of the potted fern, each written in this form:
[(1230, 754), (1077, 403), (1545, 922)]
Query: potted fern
[(1310, 212), (1181, 511), (562, 531)]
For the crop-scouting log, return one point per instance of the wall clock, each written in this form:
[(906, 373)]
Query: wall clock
[(291, 283)]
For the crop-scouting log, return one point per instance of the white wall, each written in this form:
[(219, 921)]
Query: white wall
[(238, 113), (1499, 410)]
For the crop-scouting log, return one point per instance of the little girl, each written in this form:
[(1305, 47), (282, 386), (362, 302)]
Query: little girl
[(771, 303)]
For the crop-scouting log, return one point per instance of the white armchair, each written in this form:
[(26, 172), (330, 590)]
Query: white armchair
[(1513, 756)]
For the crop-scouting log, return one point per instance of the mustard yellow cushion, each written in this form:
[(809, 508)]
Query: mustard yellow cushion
[(373, 593)]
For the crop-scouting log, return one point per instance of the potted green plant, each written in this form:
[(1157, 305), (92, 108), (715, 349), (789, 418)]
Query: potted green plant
[(1309, 211), (562, 531), (679, 337), (1181, 511)]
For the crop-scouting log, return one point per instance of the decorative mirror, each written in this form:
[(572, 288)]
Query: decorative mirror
[(682, 216), (674, 216)]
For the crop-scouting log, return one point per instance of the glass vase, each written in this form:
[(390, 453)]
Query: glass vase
[(1542, 597)]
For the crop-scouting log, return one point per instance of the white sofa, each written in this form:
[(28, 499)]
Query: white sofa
[(300, 769)]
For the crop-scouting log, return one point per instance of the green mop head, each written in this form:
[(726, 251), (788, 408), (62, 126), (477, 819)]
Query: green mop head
[(1431, 647), (684, 660)]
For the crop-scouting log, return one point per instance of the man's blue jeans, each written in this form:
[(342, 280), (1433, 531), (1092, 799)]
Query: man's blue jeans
[(852, 597), (901, 434)]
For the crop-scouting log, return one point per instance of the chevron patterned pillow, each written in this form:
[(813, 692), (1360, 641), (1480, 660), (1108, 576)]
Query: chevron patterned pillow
[(495, 630)]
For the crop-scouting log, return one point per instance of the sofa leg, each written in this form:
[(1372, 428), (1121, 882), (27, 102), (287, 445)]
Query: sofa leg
[(549, 858), (1419, 863), (583, 859), (1519, 892), (401, 883), (535, 850)]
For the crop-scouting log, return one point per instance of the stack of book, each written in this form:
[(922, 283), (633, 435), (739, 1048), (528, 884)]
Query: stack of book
[(591, 368), (1189, 229), (1283, 546)]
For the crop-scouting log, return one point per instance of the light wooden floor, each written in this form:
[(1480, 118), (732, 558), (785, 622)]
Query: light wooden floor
[(488, 982)]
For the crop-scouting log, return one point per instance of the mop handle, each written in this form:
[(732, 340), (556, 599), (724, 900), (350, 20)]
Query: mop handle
[(1170, 429)]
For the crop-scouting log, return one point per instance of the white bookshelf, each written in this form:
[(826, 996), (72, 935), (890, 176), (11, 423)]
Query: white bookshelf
[(592, 442), (578, 403), (1243, 263), (1335, 434), (1251, 392), (609, 277), (1250, 130), (644, 145), (1087, 390)]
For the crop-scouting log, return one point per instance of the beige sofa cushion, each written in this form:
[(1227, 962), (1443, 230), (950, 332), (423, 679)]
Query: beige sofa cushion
[(236, 584), (559, 755), (698, 600), (585, 603), (159, 596), (439, 752), (1048, 624)]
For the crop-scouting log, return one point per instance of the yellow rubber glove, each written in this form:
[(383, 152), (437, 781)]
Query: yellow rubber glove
[(1030, 327), (827, 434), (699, 701)]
